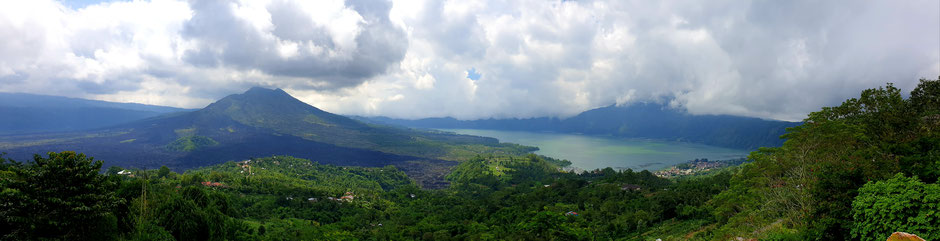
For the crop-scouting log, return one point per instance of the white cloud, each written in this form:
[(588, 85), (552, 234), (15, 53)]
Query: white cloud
[(410, 58)]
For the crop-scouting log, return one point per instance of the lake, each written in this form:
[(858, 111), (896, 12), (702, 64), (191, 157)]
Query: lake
[(594, 152)]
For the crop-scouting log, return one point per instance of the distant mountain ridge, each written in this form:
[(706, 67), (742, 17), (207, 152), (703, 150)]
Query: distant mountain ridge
[(643, 120), (29, 113)]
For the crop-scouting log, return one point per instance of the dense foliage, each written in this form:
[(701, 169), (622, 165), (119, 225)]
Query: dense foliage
[(61, 196), (285, 198), (805, 189), (897, 204)]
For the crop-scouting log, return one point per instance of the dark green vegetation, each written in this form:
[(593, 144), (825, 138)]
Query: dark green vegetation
[(285, 198), (899, 203), (28, 113), (858, 171), (805, 189), (651, 121), (61, 196), (264, 122)]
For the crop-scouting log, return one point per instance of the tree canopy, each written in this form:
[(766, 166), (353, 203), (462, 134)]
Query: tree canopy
[(61, 196)]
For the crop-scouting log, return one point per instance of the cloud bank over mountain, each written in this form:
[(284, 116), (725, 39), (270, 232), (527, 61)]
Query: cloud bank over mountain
[(473, 59)]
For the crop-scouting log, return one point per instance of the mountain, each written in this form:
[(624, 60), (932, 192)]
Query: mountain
[(262, 122), (277, 111), (653, 121), (28, 113)]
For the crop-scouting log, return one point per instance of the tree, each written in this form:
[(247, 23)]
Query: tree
[(926, 97), (192, 179), (151, 232), (164, 171), (59, 197), (183, 219)]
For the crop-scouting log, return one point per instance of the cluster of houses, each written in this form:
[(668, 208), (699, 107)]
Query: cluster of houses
[(675, 172), (691, 168), (345, 198), (246, 167)]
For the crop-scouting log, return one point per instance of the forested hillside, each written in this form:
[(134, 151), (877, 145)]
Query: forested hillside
[(858, 171), (853, 171)]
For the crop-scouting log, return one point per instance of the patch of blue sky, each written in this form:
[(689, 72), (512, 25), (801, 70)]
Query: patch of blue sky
[(472, 74), (78, 4)]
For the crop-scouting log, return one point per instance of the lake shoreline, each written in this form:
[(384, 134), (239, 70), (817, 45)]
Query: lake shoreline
[(589, 152)]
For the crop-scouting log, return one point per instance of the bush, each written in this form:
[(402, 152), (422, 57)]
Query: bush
[(900, 204)]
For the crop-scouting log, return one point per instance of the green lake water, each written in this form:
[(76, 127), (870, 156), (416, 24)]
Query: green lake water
[(593, 152)]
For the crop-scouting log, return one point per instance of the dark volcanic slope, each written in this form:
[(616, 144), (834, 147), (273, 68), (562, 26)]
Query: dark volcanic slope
[(636, 121), (150, 143)]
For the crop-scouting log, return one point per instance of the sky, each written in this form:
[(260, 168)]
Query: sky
[(473, 59)]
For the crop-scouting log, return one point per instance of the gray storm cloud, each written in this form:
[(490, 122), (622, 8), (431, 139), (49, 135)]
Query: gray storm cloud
[(294, 44), (410, 58)]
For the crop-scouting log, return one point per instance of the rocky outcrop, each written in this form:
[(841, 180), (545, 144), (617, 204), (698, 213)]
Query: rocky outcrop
[(902, 236)]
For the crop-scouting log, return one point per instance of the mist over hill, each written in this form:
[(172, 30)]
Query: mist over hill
[(642, 120)]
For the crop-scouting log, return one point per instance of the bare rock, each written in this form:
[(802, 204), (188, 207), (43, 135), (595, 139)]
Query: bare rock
[(902, 236)]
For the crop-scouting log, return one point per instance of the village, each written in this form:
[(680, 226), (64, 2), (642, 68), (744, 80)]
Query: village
[(697, 167)]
